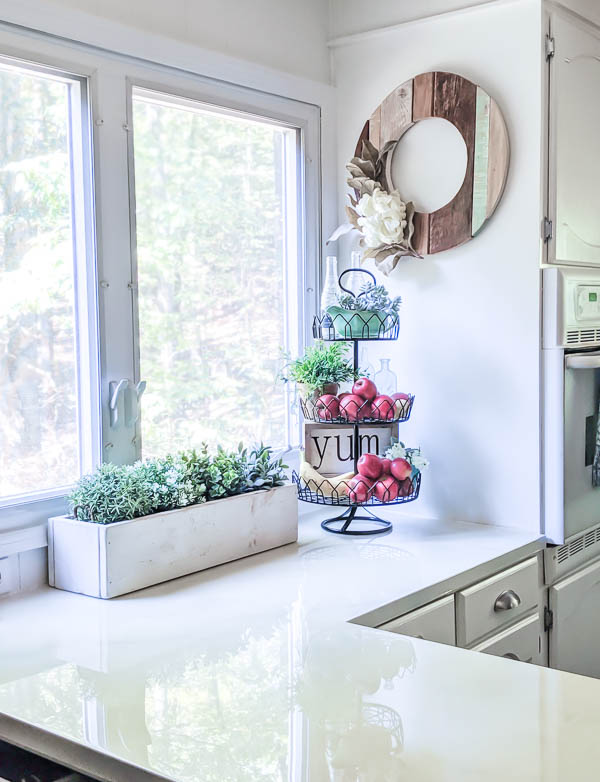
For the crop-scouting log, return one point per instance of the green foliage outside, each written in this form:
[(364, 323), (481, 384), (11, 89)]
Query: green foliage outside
[(211, 250), (210, 236), (118, 492), (38, 411)]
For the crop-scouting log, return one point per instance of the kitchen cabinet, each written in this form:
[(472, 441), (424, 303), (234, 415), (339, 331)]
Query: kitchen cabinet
[(575, 632), (483, 608), (433, 622), (499, 615), (521, 641), (574, 153)]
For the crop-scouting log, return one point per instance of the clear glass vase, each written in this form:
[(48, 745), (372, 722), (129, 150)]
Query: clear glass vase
[(364, 365), (355, 279), (385, 380), (331, 288)]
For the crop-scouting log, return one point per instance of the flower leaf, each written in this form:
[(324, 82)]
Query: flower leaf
[(342, 229)]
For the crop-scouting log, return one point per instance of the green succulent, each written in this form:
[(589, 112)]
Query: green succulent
[(117, 492), (371, 298)]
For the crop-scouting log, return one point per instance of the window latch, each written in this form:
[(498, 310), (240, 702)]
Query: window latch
[(116, 389), (131, 401)]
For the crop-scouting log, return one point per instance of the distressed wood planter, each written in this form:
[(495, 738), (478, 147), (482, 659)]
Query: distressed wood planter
[(106, 560)]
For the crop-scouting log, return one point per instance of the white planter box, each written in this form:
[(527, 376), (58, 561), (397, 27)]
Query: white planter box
[(106, 560)]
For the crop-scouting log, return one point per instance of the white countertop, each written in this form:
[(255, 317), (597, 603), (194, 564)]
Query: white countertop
[(251, 671)]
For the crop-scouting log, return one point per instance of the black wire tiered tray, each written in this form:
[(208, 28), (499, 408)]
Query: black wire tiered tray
[(328, 411), (355, 326), (347, 325), (337, 494)]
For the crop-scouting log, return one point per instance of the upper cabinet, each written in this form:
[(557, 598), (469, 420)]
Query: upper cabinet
[(574, 149)]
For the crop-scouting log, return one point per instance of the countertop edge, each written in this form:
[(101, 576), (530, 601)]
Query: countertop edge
[(77, 757), (447, 586)]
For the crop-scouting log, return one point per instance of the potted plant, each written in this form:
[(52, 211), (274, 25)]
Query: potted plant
[(366, 315), (320, 370), (136, 525)]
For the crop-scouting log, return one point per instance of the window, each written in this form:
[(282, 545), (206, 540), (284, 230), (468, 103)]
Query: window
[(219, 291), (177, 244), (47, 418)]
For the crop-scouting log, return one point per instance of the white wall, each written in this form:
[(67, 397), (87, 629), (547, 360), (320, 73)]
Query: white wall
[(282, 34), (469, 344), (348, 17)]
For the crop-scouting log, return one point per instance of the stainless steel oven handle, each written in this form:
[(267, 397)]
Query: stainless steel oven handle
[(583, 361)]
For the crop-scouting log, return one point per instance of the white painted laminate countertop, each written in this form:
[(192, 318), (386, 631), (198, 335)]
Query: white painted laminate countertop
[(251, 672)]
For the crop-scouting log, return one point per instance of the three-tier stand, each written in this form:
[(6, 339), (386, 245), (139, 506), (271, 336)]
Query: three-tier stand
[(350, 326)]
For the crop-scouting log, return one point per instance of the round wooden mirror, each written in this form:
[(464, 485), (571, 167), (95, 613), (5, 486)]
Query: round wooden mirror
[(478, 119)]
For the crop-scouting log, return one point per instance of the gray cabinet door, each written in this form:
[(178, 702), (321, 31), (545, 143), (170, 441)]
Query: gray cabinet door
[(575, 634), (574, 153)]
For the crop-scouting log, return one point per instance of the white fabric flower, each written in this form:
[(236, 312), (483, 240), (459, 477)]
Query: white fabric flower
[(418, 461), (382, 217), (396, 451)]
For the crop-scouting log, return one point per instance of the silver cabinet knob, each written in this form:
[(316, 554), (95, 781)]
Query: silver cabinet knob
[(507, 600)]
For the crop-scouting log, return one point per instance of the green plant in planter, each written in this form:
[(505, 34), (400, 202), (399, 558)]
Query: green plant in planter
[(117, 492), (374, 312), (112, 493), (320, 366)]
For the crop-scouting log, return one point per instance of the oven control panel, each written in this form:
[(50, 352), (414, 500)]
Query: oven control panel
[(587, 303), (571, 301)]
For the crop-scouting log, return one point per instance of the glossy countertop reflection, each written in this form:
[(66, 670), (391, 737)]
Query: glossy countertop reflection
[(251, 671)]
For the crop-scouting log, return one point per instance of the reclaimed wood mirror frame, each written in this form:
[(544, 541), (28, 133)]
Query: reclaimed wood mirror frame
[(480, 122)]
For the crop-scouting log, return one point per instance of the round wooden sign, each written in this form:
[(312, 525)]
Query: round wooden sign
[(479, 120)]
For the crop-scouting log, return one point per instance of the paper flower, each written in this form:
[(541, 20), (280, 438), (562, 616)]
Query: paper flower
[(382, 218)]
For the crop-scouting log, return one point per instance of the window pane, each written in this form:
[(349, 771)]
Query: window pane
[(213, 218), (39, 444)]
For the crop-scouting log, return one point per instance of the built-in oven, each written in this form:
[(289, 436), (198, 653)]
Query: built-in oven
[(571, 399), (581, 450)]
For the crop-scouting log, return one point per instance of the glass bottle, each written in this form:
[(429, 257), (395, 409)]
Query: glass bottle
[(355, 279), (364, 364), (331, 289), (385, 380)]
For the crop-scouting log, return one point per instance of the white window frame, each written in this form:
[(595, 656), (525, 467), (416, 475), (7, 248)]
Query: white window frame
[(237, 102), (109, 77), (23, 505)]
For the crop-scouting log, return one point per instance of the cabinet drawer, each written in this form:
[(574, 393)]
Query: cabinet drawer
[(518, 642), (433, 622), (495, 602)]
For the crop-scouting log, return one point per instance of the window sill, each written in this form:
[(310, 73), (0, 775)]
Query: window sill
[(17, 541), (23, 527)]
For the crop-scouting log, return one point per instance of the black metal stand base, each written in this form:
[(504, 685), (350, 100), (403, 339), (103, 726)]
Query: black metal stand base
[(350, 515)]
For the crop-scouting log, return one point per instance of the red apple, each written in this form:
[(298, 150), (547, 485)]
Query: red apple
[(328, 407), (405, 487), (345, 393), (386, 489), (360, 488), (354, 408), (401, 469), (383, 408), (385, 466), (400, 397), (369, 465), (365, 388)]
